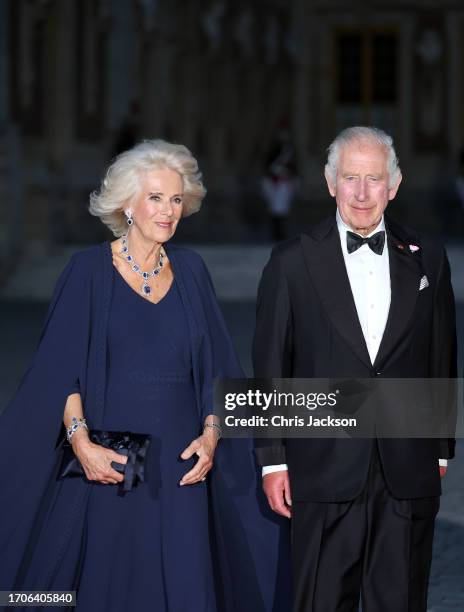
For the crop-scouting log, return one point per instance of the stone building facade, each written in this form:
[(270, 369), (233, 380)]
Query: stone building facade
[(77, 76)]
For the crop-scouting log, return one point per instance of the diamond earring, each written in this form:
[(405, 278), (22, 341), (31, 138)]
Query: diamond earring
[(129, 219)]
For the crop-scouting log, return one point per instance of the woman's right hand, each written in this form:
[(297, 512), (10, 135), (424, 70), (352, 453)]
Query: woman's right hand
[(96, 460)]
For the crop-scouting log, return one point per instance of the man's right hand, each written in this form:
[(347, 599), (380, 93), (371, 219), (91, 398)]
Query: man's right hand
[(276, 486)]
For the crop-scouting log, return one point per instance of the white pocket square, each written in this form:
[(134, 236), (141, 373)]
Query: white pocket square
[(424, 283)]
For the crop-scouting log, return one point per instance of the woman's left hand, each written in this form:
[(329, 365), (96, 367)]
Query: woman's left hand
[(204, 447)]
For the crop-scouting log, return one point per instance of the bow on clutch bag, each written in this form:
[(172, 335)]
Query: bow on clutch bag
[(133, 445)]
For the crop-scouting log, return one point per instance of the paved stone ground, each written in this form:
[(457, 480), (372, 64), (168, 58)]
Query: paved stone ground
[(20, 322)]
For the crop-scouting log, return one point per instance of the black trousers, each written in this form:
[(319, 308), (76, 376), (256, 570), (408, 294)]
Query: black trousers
[(278, 227), (375, 547)]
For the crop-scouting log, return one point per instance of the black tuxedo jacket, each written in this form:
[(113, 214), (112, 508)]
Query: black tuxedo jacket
[(307, 327)]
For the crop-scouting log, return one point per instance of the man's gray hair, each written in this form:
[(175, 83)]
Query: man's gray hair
[(362, 133)]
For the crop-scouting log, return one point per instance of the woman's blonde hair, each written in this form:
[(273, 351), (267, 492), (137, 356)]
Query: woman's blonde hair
[(122, 180)]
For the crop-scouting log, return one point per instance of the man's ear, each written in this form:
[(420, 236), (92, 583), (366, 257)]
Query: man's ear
[(330, 184), (393, 190)]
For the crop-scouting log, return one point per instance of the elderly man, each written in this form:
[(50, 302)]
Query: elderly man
[(357, 296)]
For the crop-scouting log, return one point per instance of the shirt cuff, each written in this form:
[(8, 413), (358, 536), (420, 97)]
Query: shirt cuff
[(268, 469)]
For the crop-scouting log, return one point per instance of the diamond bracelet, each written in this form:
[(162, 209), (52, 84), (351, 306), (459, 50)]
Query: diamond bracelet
[(216, 426), (75, 424)]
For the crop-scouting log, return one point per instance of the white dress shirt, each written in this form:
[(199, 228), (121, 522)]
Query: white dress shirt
[(369, 276)]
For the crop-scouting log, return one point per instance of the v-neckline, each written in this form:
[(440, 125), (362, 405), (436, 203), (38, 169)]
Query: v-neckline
[(131, 289)]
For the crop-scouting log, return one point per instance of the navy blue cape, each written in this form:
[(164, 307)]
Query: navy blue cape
[(39, 513)]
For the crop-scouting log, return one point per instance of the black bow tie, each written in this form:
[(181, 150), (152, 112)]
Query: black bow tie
[(375, 242)]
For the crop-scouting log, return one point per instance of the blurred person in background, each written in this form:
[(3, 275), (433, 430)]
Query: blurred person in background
[(279, 183), (459, 191), (448, 198), (131, 344), (128, 132)]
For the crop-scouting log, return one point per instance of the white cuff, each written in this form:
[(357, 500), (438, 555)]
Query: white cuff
[(268, 469), (443, 462)]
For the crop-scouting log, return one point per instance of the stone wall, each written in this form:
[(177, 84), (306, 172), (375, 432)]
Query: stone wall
[(79, 77)]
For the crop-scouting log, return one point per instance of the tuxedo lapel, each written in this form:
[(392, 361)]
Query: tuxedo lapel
[(405, 275), (326, 267)]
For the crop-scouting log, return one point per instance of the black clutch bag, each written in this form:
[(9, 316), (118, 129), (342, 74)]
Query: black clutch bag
[(133, 445)]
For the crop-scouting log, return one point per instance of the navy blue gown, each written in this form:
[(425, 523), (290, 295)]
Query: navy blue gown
[(148, 549), (147, 368)]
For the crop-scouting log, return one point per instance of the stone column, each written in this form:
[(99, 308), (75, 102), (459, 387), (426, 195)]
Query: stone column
[(60, 67), (11, 190), (455, 133), (405, 88), (122, 62), (4, 61), (158, 78), (60, 112), (303, 112)]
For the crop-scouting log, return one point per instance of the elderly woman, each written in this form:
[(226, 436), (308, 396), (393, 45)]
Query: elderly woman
[(132, 341)]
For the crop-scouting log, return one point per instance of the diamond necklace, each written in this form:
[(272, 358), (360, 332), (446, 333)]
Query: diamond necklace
[(145, 289)]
